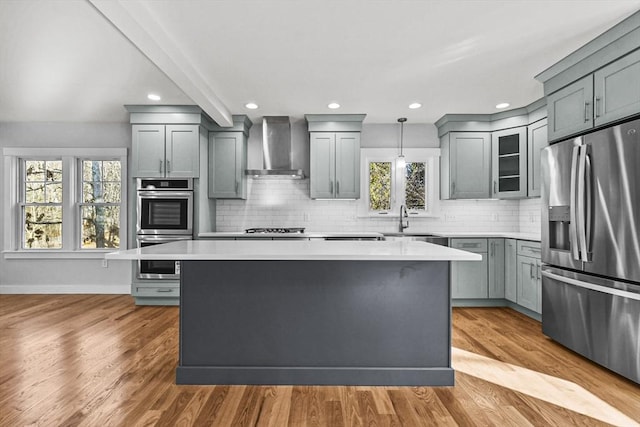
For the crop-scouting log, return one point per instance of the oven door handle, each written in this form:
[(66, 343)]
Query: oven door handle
[(165, 194)]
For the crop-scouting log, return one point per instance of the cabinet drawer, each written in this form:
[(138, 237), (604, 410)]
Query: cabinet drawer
[(471, 245), (157, 291), (531, 249)]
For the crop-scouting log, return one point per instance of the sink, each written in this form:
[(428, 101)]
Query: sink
[(417, 237)]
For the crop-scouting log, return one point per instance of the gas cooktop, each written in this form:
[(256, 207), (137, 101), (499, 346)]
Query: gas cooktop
[(275, 230)]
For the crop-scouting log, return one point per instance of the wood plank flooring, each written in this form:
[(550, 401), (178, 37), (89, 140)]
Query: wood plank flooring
[(98, 360)]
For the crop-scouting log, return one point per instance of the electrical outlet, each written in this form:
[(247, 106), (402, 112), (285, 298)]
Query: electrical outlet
[(494, 217), (449, 217), (105, 263)]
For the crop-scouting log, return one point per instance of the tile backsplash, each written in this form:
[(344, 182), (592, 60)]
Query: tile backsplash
[(286, 203)]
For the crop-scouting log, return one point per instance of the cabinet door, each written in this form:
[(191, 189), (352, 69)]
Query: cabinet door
[(496, 268), (148, 151), (510, 268), (182, 151), (226, 151), (536, 141), (570, 109), (322, 166), (469, 278), (527, 283), (508, 163), (617, 89), (347, 165), (470, 161)]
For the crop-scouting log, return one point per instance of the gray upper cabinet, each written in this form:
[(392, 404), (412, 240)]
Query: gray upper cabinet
[(335, 155), (617, 89), (537, 139), (170, 151), (570, 110), (509, 163), (227, 163), (467, 165), (597, 84), (335, 165)]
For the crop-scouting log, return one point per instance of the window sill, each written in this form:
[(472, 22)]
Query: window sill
[(54, 254)]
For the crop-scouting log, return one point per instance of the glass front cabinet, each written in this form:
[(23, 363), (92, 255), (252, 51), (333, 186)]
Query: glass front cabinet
[(509, 163)]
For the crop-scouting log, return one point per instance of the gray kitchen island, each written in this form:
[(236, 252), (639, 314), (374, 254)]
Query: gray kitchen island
[(312, 312)]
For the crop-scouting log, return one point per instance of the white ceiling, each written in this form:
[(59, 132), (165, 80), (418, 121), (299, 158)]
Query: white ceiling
[(65, 61)]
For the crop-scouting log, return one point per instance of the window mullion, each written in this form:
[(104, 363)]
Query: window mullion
[(70, 211)]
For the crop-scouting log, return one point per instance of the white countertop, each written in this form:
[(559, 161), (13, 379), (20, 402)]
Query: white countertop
[(306, 235), (289, 250), (496, 234)]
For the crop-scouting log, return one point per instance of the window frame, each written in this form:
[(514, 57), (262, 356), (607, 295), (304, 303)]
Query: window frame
[(430, 156), (72, 158)]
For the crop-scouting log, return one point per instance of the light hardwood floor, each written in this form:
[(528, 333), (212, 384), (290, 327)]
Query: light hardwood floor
[(98, 360)]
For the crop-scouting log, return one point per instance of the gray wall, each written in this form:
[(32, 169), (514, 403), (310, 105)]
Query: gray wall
[(62, 275)]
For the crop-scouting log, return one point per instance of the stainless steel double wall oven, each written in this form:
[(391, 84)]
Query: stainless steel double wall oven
[(164, 214)]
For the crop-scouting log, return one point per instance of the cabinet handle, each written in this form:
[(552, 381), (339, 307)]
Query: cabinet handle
[(531, 271), (236, 186), (337, 187), (160, 166), (168, 166), (164, 290), (331, 187), (597, 106), (586, 112), (453, 188), (495, 187), (537, 272), (470, 245)]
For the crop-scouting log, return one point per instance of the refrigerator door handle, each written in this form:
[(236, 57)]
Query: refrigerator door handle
[(592, 286), (588, 207), (582, 195), (573, 231)]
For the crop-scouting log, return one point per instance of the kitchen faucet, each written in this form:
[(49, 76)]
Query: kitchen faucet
[(403, 214)]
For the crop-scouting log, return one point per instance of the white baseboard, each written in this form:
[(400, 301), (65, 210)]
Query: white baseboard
[(66, 289)]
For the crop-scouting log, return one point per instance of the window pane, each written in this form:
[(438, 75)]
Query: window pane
[(380, 186), (34, 192), (111, 192), (415, 186), (54, 170), (53, 193), (100, 227), (111, 170), (34, 170), (42, 227)]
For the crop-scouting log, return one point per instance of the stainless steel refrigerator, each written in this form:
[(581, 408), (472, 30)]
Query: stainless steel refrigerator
[(591, 246)]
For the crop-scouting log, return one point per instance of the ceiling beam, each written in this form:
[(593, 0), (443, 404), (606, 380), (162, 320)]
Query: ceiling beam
[(136, 23)]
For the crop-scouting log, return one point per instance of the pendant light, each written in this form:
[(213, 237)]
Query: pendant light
[(401, 161)]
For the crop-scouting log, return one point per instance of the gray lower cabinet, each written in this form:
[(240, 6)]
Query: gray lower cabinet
[(537, 139), (165, 292), (610, 93), (469, 279), (529, 280), (510, 270), (335, 165), (496, 268), (170, 151), (466, 165), (227, 164)]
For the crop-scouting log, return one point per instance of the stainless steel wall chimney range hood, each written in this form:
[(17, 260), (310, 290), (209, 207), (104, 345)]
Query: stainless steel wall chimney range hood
[(276, 150)]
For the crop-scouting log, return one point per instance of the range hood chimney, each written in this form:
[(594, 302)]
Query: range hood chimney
[(276, 150)]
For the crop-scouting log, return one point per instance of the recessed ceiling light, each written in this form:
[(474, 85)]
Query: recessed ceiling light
[(333, 105), (415, 105), (154, 97), (502, 105), (251, 105)]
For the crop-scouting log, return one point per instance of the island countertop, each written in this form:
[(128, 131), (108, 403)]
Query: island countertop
[(296, 250)]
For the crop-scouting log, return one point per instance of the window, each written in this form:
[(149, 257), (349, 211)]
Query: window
[(390, 183), (64, 200)]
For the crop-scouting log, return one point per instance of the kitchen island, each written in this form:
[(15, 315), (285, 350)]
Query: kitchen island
[(312, 312)]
